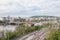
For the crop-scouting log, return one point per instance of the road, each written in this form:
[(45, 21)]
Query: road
[(34, 35)]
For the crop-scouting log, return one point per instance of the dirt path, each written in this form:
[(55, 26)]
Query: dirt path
[(34, 35)]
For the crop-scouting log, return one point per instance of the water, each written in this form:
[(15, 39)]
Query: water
[(7, 27), (10, 27)]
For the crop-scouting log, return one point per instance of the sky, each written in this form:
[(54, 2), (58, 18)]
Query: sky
[(27, 8)]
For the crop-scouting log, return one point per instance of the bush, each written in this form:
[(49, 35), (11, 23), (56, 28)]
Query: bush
[(20, 30), (54, 35)]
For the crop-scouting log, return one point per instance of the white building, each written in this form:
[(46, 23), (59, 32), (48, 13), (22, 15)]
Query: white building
[(1, 18)]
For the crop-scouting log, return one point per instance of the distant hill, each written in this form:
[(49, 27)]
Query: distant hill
[(43, 16)]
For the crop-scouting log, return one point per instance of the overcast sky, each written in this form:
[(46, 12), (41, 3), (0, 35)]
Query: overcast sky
[(29, 7)]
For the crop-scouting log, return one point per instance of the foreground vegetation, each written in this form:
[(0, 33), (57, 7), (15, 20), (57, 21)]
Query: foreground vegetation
[(54, 35), (20, 31), (23, 30)]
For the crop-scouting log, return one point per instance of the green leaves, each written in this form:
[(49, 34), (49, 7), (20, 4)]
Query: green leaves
[(54, 35), (20, 30)]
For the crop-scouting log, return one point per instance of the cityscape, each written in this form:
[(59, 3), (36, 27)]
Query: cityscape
[(29, 19), (33, 26)]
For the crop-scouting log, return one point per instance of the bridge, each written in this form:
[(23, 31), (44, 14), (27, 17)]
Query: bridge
[(15, 23)]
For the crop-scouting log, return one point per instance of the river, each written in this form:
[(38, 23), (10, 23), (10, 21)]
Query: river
[(7, 27)]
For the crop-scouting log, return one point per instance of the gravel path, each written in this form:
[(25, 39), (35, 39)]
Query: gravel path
[(34, 35)]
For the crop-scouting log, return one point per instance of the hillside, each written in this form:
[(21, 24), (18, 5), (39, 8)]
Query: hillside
[(42, 16)]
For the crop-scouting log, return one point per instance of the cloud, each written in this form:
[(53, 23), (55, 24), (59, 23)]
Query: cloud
[(30, 7)]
